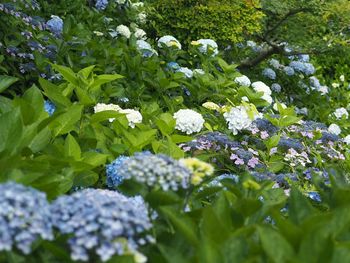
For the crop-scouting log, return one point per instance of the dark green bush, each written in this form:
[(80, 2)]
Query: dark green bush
[(224, 21)]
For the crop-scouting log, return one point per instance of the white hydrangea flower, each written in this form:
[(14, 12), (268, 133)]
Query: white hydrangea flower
[(208, 44), (188, 73), (340, 112), (260, 86), (242, 81), (238, 119), (123, 31), (347, 139), (198, 71), (133, 116), (120, 2), (169, 41), (335, 85), (140, 34), (323, 90), (105, 107), (188, 121), (142, 17), (334, 128), (245, 98), (137, 5), (145, 48), (342, 78)]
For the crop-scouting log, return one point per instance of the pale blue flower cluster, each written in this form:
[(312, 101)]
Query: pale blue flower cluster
[(156, 170), (289, 71), (24, 217), (276, 87), (303, 67), (55, 25), (101, 221), (101, 4), (112, 171), (49, 107), (269, 73)]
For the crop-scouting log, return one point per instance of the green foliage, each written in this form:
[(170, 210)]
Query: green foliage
[(224, 21)]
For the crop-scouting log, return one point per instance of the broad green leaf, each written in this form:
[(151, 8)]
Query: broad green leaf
[(6, 81), (67, 73), (41, 140), (85, 72), (72, 148), (54, 93), (66, 121), (275, 246), (102, 79)]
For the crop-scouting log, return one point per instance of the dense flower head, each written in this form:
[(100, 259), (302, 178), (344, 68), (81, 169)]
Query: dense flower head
[(290, 143), (238, 119), (334, 128), (274, 63), (169, 41), (145, 48), (24, 217), (112, 171), (49, 107), (55, 25), (269, 73), (208, 46), (243, 80), (101, 4), (347, 139), (102, 221), (156, 170), (340, 112), (188, 73), (173, 65), (124, 31), (276, 87), (289, 71), (140, 33), (188, 121), (133, 116), (303, 67), (260, 86), (198, 168)]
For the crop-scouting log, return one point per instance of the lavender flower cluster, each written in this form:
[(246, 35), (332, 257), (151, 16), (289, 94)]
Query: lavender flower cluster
[(155, 170), (103, 221)]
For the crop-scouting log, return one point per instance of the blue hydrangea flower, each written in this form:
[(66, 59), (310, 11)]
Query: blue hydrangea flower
[(314, 82), (275, 63), (101, 4), (289, 143), (276, 87), (24, 217), (112, 171), (173, 65), (289, 71), (269, 73), (303, 67), (304, 58), (156, 170), (49, 107), (55, 25), (314, 196), (101, 221)]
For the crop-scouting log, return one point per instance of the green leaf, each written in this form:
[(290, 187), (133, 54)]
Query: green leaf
[(54, 93), (67, 73), (105, 115), (66, 121), (276, 247), (6, 81), (41, 140), (11, 129), (85, 72), (72, 148), (102, 79), (159, 198), (183, 223)]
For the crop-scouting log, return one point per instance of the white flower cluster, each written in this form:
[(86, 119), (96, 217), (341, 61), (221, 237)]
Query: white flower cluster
[(238, 119), (188, 73), (243, 80), (123, 31), (340, 112), (169, 41), (347, 139), (188, 121), (334, 128), (260, 86), (145, 48), (207, 45), (133, 116)]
